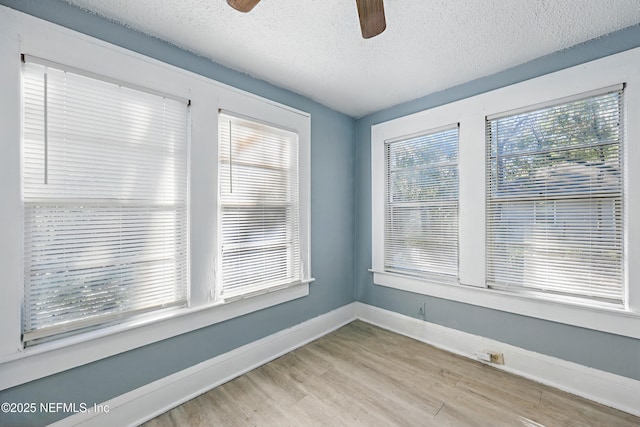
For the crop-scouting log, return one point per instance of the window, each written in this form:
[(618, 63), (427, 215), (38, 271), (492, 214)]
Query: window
[(110, 200), (105, 201), (548, 212), (421, 213), (555, 202), (259, 207)]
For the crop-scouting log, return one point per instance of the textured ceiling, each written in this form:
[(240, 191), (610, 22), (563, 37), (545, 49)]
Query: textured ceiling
[(314, 47)]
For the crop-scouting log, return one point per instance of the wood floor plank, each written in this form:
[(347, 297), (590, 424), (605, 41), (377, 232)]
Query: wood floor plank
[(490, 384), (451, 416), (362, 375), (556, 403)]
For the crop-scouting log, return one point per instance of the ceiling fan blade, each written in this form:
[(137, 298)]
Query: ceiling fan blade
[(372, 20), (243, 5)]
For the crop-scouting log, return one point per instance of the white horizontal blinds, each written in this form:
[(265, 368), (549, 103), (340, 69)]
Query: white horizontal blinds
[(260, 231), (105, 201), (555, 199), (421, 207)]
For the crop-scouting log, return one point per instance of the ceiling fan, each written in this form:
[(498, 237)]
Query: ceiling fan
[(371, 13)]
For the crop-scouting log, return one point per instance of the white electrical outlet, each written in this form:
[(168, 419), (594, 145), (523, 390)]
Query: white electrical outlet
[(422, 310)]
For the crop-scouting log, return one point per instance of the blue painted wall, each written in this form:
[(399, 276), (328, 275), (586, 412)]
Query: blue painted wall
[(332, 237), (607, 352)]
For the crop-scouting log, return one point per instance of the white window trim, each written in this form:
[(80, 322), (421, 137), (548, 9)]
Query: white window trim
[(22, 33), (471, 113)]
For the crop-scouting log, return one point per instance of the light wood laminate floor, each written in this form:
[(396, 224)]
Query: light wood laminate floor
[(361, 375)]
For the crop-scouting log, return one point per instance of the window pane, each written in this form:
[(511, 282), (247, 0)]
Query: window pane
[(555, 202), (260, 240), (421, 213), (105, 213)]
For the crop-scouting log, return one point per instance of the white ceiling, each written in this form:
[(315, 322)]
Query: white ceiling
[(314, 47)]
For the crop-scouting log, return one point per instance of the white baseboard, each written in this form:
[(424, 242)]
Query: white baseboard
[(151, 400), (144, 403), (609, 389)]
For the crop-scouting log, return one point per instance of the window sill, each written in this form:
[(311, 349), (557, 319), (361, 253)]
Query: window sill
[(49, 358), (611, 320)]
